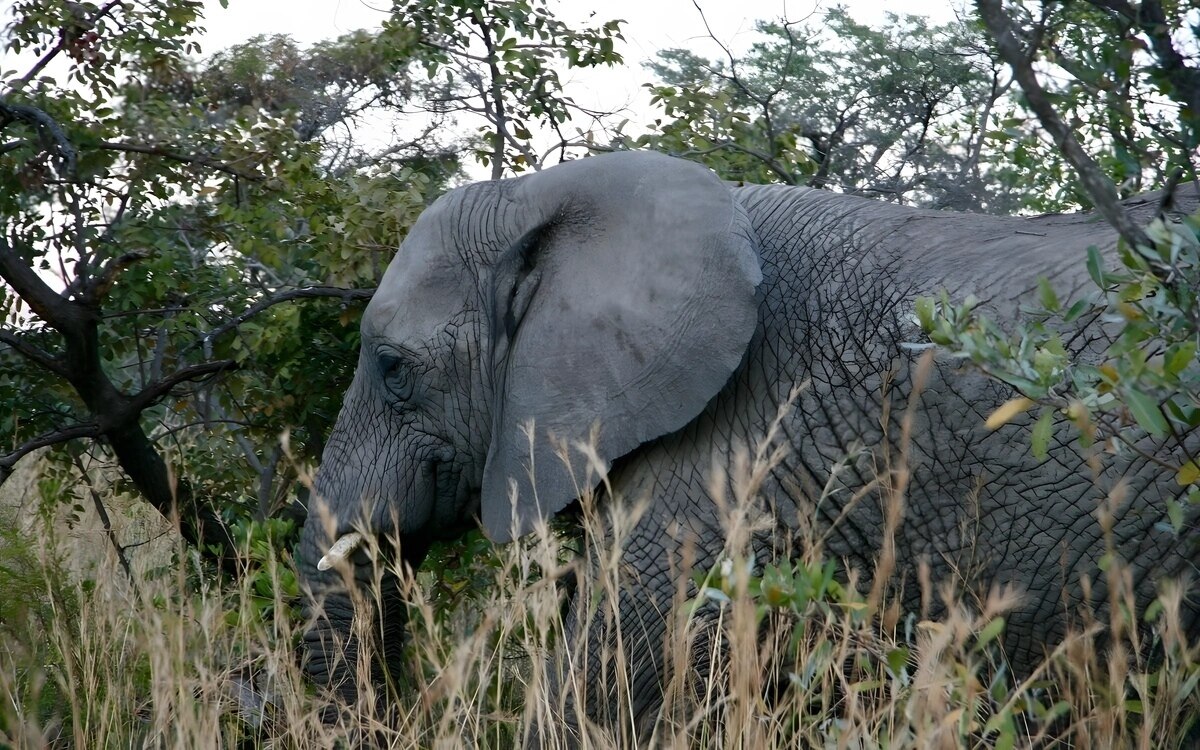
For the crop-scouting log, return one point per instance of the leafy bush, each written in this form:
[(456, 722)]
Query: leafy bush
[(1137, 390)]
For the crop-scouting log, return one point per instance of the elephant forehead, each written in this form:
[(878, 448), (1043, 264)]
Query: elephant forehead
[(425, 286)]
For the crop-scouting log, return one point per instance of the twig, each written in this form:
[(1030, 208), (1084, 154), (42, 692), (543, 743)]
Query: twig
[(57, 48), (106, 522), (35, 354), (346, 295), (9, 460), (203, 161), (50, 133), (154, 392), (98, 288), (1099, 188)]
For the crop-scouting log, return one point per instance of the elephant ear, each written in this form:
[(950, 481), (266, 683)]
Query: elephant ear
[(625, 306)]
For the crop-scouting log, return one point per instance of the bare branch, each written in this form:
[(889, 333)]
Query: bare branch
[(57, 48), (95, 291), (105, 521), (157, 390), (9, 460), (1099, 188), (312, 292), (771, 163), (204, 161), (35, 354), (50, 133)]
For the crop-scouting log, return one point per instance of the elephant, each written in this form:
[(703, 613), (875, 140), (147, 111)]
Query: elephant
[(635, 301)]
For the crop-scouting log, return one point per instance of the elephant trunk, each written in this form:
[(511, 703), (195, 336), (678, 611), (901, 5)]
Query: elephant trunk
[(333, 647)]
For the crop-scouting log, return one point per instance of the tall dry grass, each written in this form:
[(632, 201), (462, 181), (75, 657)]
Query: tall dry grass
[(790, 655)]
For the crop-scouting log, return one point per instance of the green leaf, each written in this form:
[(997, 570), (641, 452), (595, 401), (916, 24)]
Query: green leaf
[(990, 632), (1074, 311), (1046, 294), (897, 660), (1178, 357), (1095, 266), (1175, 514), (1039, 439), (925, 309), (1189, 473), (1146, 413)]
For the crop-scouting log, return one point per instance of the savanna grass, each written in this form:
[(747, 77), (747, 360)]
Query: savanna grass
[(791, 655)]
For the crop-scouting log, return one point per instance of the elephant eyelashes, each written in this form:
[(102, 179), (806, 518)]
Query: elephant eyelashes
[(397, 375)]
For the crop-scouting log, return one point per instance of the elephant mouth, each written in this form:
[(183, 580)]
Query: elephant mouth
[(410, 546)]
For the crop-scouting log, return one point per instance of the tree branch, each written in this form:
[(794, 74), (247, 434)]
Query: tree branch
[(204, 161), (346, 295), (105, 521), (57, 48), (98, 288), (44, 301), (772, 164), (9, 460), (157, 390), (1099, 188), (1185, 80), (35, 354), (50, 133)]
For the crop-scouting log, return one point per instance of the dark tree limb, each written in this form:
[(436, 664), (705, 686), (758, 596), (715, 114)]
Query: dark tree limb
[(53, 139), (770, 162), (98, 288), (105, 521), (156, 391), (1099, 188), (199, 525), (34, 354), (44, 301), (116, 415), (203, 161), (1149, 17), (66, 434), (50, 134), (311, 292)]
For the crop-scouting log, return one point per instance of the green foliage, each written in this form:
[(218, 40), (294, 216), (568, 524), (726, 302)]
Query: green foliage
[(1125, 103), (926, 115), (895, 112), (28, 610), (269, 578), (175, 214), (1139, 390), (502, 59)]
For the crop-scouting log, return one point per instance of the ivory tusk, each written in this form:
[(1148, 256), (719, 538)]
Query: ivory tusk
[(342, 547)]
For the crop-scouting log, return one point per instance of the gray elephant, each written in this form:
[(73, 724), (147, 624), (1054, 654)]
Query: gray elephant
[(640, 294)]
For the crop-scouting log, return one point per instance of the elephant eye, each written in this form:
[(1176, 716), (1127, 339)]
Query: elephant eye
[(397, 375)]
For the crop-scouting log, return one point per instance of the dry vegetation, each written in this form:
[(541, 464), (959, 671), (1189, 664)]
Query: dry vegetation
[(172, 660)]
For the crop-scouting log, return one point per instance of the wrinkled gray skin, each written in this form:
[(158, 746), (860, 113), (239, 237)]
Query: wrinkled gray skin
[(639, 292)]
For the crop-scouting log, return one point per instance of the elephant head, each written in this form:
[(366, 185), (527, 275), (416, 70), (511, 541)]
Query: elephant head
[(603, 300)]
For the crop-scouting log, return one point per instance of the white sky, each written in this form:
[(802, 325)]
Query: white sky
[(650, 25)]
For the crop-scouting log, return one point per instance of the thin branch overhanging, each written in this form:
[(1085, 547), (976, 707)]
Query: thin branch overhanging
[(1099, 188)]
